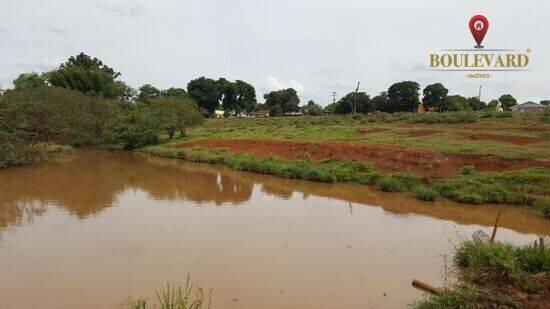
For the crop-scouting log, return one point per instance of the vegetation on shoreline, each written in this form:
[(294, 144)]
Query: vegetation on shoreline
[(524, 187), (332, 170), (495, 274)]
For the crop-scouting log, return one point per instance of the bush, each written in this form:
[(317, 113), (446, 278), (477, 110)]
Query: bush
[(425, 193), (497, 262), (460, 297), (468, 170)]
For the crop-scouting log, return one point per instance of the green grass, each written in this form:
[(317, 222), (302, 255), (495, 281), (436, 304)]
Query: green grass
[(189, 297), (486, 267), (448, 140), (528, 187), (330, 170), (499, 263), (522, 187), (460, 297)]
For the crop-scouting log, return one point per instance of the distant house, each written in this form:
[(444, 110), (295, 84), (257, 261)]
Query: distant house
[(529, 107), (219, 113), (297, 113), (263, 113), (423, 109)]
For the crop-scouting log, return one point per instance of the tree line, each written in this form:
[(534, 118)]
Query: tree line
[(405, 97)]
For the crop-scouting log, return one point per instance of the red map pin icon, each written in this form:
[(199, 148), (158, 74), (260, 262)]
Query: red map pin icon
[(479, 25)]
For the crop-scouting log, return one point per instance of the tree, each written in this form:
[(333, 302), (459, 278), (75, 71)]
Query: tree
[(455, 103), (206, 92), (434, 96), (286, 99), (147, 93), (404, 96), (246, 96), (507, 102), (29, 81), (545, 102), (361, 100), (475, 104), (175, 113), (88, 75), (136, 128), (493, 105), (313, 109), (381, 102), (173, 92)]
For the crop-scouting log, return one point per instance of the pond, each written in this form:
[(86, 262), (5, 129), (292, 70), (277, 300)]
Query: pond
[(102, 228)]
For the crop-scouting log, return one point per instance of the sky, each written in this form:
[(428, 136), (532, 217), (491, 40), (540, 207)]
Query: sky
[(314, 46)]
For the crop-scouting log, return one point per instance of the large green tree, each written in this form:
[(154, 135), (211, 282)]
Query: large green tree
[(507, 101), (313, 109), (434, 96), (404, 96), (493, 105), (147, 93), (88, 75), (361, 101), (175, 114), (381, 102), (282, 101), (455, 103), (476, 105), (238, 96), (206, 92), (27, 81)]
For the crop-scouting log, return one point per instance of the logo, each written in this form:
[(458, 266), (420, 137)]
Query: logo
[(479, 62), (479, 25)]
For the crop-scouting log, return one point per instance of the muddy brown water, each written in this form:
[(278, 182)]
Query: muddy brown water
[(104, 227)]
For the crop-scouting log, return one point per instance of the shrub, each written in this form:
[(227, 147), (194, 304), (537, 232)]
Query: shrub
[(389, 184), (497, 262), (425, 193), (462, 296), (468, 170)]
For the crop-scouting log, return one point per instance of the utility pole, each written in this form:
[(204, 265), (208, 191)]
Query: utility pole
[(479, 95), (333, 97), (354, 111)]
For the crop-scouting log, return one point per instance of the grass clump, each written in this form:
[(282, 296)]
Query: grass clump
[(330, 170), (425, 193), (497, 263), (463, 296), (400, 182), (189, 297), (521, 187)]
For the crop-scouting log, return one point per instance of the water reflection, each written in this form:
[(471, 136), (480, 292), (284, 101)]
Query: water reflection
[(90, 181)]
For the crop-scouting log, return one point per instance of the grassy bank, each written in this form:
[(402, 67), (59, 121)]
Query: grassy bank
[(527, 187), (331, 170), (496, 275)]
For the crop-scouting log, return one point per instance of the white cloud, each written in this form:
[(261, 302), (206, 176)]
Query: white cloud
[(275, 84), (123, 7), (50, 63)]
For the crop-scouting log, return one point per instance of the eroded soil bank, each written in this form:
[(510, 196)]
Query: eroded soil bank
[(386, 158)]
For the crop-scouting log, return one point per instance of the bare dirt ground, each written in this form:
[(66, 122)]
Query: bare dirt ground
[(387, 158)]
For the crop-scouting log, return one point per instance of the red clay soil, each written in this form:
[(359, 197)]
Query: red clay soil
[(387, 158), (419, 133), (512, 139)]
